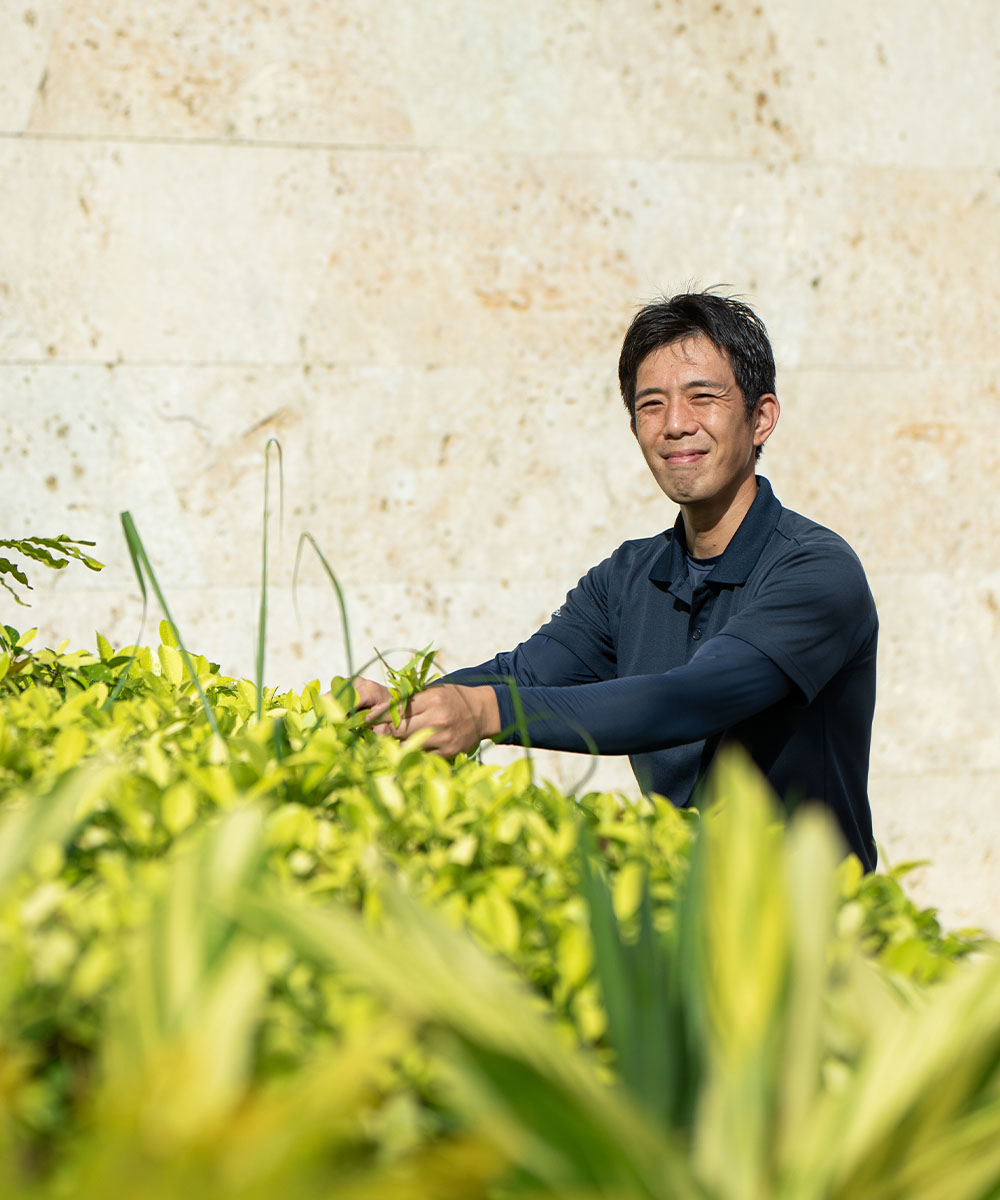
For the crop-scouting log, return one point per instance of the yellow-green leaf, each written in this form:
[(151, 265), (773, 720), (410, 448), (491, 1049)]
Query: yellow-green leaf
[(172, 664), (180, 806)]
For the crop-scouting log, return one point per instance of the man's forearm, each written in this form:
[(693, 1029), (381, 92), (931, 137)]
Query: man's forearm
[(459, 717), (642, 713)]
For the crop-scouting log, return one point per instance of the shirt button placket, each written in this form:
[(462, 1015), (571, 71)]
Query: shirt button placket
[(700, 612)]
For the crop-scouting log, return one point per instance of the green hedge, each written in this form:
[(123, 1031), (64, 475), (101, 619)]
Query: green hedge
[(208, 973)]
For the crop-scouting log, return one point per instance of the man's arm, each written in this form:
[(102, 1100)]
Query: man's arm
[(541, 661), (460, 708), (726, 682)]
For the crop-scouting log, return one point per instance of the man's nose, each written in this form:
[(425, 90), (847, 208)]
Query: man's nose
[(679, 417)]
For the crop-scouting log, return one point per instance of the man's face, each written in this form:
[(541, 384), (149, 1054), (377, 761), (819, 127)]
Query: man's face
[(691, 424)]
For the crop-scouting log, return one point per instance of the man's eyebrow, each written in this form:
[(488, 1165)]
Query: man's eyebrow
[(704, 383), (686, 386)]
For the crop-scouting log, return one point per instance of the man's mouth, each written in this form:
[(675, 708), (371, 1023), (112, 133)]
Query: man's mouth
[(683, 458)]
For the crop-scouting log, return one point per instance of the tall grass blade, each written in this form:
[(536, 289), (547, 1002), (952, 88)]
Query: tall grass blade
[(180, 1051), (522, 723), (646, 1027), (262, 617), (141, 562), (341, 604), (123, 677), (810, 863), (926, 1093), (740, 933)]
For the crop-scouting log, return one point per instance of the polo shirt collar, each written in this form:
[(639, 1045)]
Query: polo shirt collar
[(739, 558)]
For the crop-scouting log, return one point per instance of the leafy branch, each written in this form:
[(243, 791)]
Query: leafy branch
[(50, 552), (405, 683)]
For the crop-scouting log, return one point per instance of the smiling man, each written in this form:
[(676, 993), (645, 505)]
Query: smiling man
[(743, 622)]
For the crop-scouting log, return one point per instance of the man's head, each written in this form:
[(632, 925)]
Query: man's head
[(731, 326)]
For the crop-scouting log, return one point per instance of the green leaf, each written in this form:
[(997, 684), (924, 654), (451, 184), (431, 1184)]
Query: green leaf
[(498, 918), (172, 664), (9, 568), (23, 830), (344, 691), (143, 569), (262, 615), (180, 806)]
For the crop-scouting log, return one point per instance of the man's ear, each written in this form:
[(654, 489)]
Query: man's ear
[(765, 418)]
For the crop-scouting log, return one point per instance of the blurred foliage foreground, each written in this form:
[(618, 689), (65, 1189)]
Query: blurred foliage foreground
[(282, 957)]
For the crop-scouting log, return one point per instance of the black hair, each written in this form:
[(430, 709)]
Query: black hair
[(730, 325)]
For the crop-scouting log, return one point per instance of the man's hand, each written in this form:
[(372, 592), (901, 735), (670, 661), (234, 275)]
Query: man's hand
[(372, 696), (461, 717)]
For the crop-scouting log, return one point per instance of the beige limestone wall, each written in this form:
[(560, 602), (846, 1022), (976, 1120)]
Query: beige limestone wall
[(406, 237)]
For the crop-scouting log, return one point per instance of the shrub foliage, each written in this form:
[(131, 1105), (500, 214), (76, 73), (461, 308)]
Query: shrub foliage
[(277, 954)]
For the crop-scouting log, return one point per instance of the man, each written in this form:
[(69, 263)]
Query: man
[(744, 622)]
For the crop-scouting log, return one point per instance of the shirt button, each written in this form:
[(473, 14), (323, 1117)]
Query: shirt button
[(696, 634)]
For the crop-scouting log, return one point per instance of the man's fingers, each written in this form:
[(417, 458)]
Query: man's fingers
[(456, 716), (371, 695), (367, 691)]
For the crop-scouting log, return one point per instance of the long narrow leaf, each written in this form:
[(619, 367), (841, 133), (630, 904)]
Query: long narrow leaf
[(137, 567), (142, 566), (811, 872), (646, 1026), (921, 1083), (262, 616), (741, 930), (341, 604)]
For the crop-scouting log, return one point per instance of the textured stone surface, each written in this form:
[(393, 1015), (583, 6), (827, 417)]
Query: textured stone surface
[(686, 78), (291, 72), (405, 239), (201, 253), (25, 50), (890, 459)]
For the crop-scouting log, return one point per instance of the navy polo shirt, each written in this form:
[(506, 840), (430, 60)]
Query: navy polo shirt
[(788, 587)]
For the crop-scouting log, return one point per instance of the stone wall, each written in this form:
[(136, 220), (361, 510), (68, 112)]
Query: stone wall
[(405, 238)]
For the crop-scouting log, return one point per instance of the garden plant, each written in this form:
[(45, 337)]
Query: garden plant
[(248, 949)]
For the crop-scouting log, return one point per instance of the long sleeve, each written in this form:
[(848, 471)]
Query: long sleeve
[(541, 661), (564, 708)]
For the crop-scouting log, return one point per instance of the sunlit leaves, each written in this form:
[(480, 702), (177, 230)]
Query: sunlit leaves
[(406, 681), (54, 552), (196, 921)]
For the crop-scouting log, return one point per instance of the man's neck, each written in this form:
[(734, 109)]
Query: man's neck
[(709, 528)]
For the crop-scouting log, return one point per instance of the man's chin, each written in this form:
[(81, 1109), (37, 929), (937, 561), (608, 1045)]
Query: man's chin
[(683, 481), (680, 493)]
